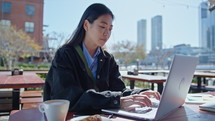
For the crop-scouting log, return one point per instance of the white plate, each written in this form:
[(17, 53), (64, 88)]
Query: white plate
[(82, 117)]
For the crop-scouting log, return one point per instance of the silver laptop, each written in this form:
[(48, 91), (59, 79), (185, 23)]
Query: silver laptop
[(174, 93)]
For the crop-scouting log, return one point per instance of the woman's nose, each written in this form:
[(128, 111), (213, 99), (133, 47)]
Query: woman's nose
[(107, 32)]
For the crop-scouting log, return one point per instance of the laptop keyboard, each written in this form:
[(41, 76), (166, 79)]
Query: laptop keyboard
[(155, 102), (143, 110)]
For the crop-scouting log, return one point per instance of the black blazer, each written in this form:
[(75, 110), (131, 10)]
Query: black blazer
[(68, 79)]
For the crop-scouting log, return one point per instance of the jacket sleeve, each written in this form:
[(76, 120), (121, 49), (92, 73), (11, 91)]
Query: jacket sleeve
[(115, 79), (116, 82), (63, 83)]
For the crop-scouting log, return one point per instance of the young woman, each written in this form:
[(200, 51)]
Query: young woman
[(88, 76)]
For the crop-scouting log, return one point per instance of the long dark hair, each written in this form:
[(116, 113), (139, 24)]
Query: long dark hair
[(91, 14)]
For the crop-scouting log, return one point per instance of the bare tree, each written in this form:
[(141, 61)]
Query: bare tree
[(139, 52), (126, 52), (160, 57), (15, 43), (55, 40)]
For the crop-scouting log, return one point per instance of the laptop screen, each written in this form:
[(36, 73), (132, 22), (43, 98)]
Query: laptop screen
[(177, 85), (174, 93)]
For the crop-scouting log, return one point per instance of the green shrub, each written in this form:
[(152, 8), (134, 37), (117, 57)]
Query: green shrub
[(42, 75), (43, 66), (34, 66)]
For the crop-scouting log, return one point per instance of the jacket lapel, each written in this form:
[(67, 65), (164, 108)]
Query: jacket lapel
[(101, 61)]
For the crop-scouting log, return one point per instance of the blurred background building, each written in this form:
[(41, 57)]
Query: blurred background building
[(207, 27), (24, 14), (141, 33), (156, 32)]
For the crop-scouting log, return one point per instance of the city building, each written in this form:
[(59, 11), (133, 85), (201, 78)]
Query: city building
[(141, 33), (24, 14), (162, 58), (212, 30), (156, 33), (203, 24), (206, 27)]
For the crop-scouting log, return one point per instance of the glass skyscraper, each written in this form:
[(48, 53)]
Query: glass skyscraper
[(206, 27), (141, 33), (156, 33)]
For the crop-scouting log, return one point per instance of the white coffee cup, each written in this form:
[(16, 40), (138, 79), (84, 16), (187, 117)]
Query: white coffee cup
[(55, 110)]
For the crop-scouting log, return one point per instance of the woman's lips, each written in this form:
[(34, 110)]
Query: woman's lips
[(104, 40)]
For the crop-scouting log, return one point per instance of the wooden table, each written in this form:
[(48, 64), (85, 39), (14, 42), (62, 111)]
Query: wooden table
[(27, 80), (36, 115), (200, 75), (159, 80), (188, 112)]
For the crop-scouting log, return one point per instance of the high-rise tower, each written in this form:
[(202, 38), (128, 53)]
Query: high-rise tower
[(206, 27), (156, 33), (141, 33)]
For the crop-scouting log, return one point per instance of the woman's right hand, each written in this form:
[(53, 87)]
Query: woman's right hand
[(131, 102)]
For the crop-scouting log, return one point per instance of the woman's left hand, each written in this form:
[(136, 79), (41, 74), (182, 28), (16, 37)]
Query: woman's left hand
[(151, 94), (131, 102)]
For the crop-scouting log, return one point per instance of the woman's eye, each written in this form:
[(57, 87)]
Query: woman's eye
[(102, 27)]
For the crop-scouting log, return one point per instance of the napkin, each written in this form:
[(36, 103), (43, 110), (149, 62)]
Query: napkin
[(209, 106)]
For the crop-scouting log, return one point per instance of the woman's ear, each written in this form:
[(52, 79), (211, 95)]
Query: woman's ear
[(86, 25)]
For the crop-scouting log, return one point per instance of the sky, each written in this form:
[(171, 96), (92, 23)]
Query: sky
[(180, 19)]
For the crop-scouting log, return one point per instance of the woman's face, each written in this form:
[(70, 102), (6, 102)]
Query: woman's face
[(99, 31)]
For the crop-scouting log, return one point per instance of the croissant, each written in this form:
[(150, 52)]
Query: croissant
[(92, 118)]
